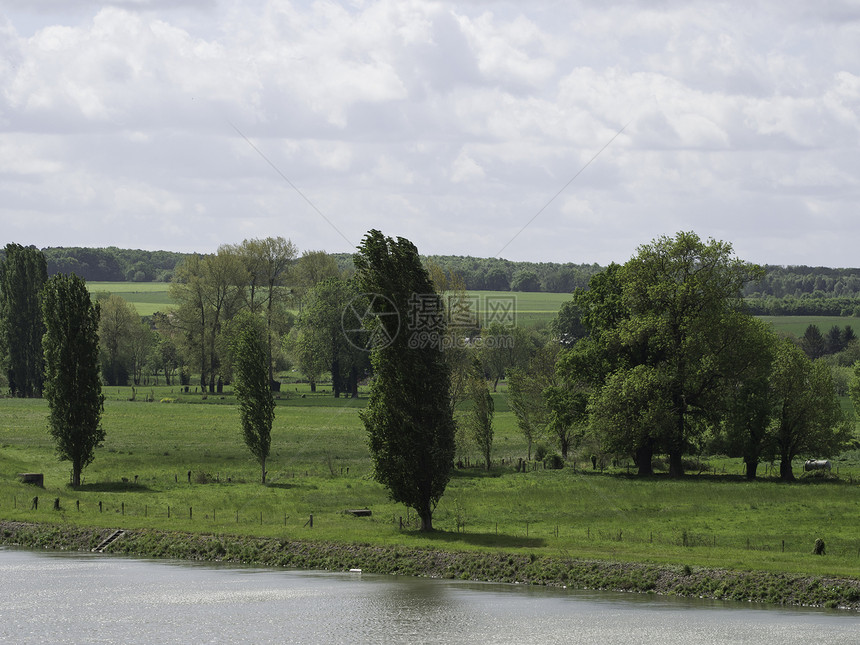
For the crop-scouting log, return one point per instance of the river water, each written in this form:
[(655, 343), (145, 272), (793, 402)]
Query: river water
[(49, 597)]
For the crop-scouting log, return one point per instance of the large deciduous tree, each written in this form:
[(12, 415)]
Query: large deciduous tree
[(256, 405), (744, 425), (72, 383), (674, 310), (22, 274), (117, 320), (326, 335), (526, 387), (479, 419), (682, 293), (311, 269), (268, 262), (808, 420), (208, 290), (408, 418)]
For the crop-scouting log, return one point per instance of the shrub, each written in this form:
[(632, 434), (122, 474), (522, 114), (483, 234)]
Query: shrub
[(541, 451), (553, 461)]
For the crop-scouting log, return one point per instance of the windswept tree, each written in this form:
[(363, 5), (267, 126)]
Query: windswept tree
[(72, 383), (22, 274), (256, 405), (408, 419)]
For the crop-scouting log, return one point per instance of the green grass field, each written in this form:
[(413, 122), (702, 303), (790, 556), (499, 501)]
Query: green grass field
[(530, 309), (796, 325), (147, 297), (182, 465)]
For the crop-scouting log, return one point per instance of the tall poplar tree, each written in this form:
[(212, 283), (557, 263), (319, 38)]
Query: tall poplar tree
[(256, 405), (22, 275), (72, 384), (408, 420)]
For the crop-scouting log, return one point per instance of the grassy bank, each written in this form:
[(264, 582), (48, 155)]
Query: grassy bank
[(496, 566), (180, 468)]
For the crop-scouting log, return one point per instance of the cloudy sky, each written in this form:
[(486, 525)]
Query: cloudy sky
[(541, 130)]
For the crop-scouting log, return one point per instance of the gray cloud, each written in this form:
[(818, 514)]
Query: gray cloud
[(450, 123)]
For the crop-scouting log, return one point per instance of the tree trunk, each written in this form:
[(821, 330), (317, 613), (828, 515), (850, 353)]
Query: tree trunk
[(752, 466), (426, 516), (676, 465), (785, 472), (76, 474), (353, 381), (263, 468), (335, 378), (642, 458), (313, 386)]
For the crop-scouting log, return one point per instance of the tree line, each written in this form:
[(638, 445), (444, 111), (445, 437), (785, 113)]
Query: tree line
[(780, 290)]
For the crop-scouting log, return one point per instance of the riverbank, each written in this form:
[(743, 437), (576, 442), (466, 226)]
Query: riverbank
[(563, 570)]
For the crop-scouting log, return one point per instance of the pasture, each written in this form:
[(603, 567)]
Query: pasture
[(147, 297), (531, 310), (796, 325), (173, 460)]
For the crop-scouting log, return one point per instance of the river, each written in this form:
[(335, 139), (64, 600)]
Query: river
[(50, 597)]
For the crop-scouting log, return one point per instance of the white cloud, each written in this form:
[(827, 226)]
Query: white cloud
[(453, 123)]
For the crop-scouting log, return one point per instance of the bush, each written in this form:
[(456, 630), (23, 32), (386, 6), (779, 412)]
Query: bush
[(541, 452), (553, 461)]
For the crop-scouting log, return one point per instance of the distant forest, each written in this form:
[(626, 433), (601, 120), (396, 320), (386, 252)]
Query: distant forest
[(785, 290)]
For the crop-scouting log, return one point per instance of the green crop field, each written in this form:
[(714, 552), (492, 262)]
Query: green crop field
[(174, 460), (532, 310), (796, 325), (147, 297)]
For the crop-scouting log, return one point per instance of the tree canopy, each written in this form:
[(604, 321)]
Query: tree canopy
[(253, 394), (72, 383), (408, 419), (23, 272)]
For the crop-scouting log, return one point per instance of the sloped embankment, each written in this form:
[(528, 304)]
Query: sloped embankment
[(783, 589)]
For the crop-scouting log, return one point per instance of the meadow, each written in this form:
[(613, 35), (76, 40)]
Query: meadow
[(147, 297), (531, 310), (175, 461)]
